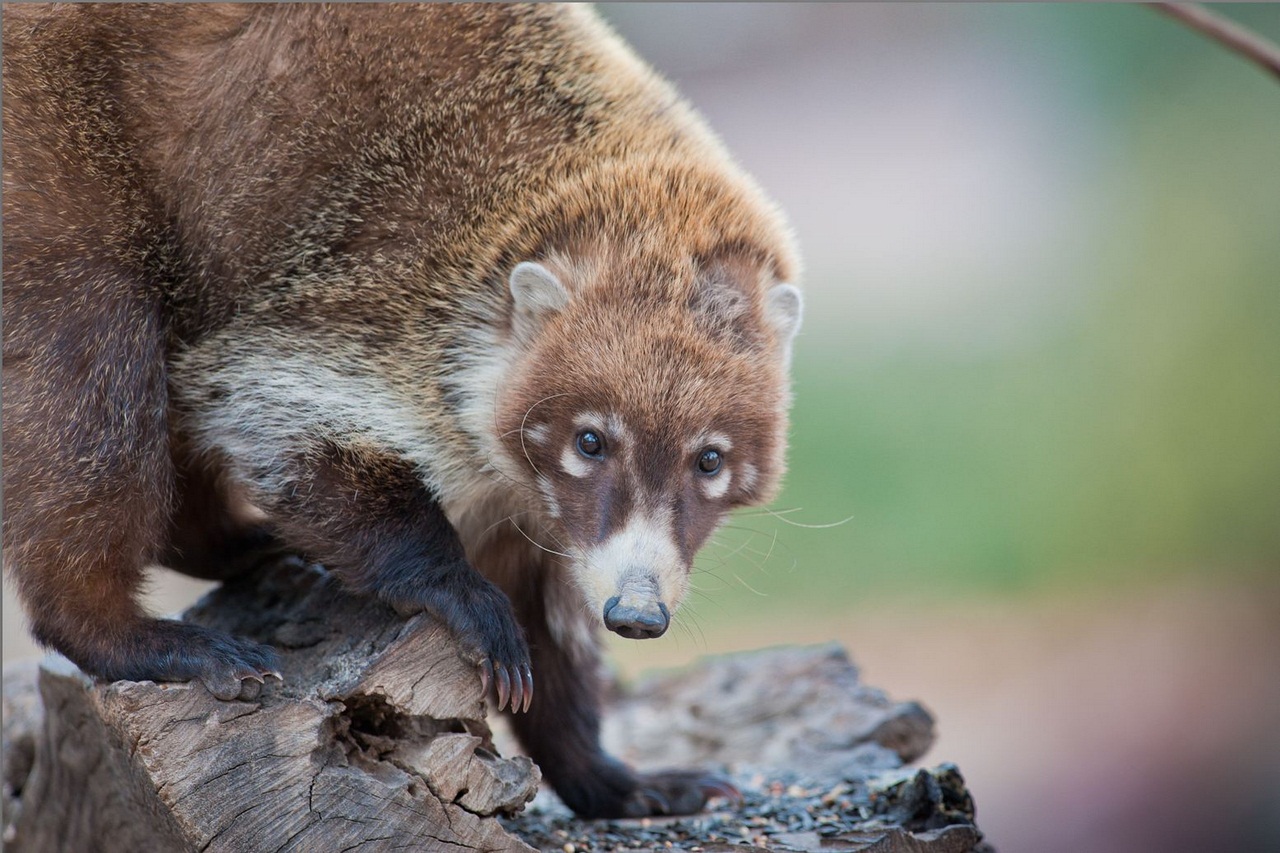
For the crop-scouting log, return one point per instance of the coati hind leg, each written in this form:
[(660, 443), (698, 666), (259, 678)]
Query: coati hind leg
[(213, 534), (87, 475), (561, 731)]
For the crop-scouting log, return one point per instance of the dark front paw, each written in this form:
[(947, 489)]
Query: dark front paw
[(504, 663), (612, 790), (479, 615), (676, 792), (487, 627)]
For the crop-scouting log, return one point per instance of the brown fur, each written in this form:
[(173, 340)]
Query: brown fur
[(261, 253)]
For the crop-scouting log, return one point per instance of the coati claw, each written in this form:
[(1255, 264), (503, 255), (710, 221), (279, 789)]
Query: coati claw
[(504, 685), (250, 689), (520, 688), (517, 688), (655, 802), (714, 786), (486, 677), (237, 687), (244, 685), (527, 674)]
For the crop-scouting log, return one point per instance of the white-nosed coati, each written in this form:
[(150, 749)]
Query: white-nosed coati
[(463, 299)]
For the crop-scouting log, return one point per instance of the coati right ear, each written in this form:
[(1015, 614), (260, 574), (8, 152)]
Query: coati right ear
[(537, 293), (785, 307), (536, 289)]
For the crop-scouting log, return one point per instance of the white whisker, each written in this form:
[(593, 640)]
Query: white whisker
[(749, 587), (523, 447), (778, 516), (538, 544)]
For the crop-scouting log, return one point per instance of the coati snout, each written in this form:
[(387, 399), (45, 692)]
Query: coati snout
[(636, 617), (462, 298)]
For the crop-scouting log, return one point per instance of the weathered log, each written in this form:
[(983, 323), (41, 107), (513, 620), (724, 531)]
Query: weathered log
[(377, 740), (23, 715)]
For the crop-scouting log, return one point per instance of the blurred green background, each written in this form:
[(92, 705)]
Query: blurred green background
[(1106, 408)]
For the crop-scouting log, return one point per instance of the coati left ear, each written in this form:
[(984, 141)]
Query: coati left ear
[(784, 307), (537, 293)]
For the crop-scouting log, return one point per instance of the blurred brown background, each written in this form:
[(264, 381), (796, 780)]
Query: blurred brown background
[(1037, 398)]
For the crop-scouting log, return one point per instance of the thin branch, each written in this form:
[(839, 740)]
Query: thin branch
[(1226, 32)]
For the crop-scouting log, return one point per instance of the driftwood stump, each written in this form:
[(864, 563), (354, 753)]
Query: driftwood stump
[(376, 737), (377, 740)]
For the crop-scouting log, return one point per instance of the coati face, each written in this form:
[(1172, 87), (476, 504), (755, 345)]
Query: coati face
[(640, 418)]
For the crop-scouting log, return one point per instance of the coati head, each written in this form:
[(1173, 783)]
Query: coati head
[(644, 404)]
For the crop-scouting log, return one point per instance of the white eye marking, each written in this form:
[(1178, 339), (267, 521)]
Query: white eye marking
[(574, 463), (537, 434), (749, 475), (618, 430), (588, 420), (549, 495), (714, 440), (717, 486)]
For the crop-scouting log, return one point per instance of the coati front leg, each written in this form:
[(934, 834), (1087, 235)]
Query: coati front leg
[(561, 731), (368, 517)]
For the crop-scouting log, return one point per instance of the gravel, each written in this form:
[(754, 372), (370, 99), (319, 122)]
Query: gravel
[(900, 811)]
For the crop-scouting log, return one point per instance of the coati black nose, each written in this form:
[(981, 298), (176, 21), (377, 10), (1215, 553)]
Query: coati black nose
[(636, 622)]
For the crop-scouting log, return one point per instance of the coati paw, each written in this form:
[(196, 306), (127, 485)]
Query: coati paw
[(610, 789), (676, 792), (229, 667), (497, 645), (504, 664), (481, 617)]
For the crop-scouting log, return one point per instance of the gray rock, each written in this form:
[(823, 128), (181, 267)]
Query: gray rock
[(776, 709)]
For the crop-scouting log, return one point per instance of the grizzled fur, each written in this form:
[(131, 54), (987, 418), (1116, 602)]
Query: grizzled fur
[(352, 281)]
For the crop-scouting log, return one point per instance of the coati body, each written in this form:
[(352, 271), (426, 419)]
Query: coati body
[(462, 299)]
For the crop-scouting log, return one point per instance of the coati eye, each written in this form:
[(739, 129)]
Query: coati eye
[(710, 461), (590, 444)]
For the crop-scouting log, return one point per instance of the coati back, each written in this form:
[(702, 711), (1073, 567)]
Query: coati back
[(462, 301)]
